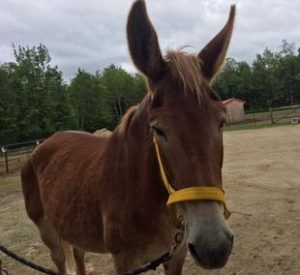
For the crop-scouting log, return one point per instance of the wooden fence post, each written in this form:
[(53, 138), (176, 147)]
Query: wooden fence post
[(6, 162), (4, 152), (271, 116)]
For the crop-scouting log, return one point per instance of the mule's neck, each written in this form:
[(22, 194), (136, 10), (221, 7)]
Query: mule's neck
[(140, 167)]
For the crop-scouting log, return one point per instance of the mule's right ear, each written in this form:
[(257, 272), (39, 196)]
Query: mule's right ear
[(143, 43)]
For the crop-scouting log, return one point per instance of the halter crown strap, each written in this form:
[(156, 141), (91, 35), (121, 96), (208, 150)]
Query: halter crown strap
[(190, 193)]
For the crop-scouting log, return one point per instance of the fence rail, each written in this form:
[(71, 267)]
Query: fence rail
[(12, 156), (279, 115)]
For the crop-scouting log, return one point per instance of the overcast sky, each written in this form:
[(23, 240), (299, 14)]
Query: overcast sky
[(90, 34)]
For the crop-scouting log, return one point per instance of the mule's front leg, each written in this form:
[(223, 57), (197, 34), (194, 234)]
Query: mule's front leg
[(175, 265)]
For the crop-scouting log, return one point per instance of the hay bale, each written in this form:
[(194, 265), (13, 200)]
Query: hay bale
[(103, 133)]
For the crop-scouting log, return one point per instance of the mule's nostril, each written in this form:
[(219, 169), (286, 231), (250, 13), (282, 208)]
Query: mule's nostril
[(232, 239), (193, 250), (212, 253)]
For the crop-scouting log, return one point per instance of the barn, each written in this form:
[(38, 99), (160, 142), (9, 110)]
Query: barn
[(235, 109)]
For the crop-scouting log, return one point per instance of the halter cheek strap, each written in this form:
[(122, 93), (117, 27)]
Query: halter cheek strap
[(190, 193)]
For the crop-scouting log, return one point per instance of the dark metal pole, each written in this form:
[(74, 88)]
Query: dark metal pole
[(6, 162)]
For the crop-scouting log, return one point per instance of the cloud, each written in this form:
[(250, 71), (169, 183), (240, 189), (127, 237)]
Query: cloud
[(91, 34)]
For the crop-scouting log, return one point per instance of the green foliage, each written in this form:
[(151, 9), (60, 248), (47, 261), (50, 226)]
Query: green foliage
[(35, 102), (89, 100), (272, 80), (9, 126), (124, 89), (102, 99)]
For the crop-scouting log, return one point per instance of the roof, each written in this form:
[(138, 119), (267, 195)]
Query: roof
[(227, 101)]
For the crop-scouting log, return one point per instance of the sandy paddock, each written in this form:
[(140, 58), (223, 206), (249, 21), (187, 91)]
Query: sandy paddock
[(262, 180)]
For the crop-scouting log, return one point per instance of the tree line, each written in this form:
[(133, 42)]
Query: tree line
[(272, 80), (35, 101)]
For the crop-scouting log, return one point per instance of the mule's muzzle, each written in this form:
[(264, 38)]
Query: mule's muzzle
[(212, 255)]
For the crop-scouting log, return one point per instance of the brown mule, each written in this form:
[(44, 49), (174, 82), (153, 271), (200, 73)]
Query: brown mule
[(104, 194)]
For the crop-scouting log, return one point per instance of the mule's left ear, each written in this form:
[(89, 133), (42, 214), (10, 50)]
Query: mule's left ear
[(143, 43), (213, 54)]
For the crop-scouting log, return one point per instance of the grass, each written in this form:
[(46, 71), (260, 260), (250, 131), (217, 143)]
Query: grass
[(281, 117), (256, 126), (10, 180), (16, 230), (14, 163), (277, 114)]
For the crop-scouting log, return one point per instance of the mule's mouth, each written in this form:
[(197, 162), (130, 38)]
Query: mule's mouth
[(210, 260)]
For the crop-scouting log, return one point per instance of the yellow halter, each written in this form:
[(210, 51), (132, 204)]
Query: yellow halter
[(190, 193)]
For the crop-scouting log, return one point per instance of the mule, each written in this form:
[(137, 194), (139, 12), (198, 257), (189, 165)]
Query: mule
[(105, 194)]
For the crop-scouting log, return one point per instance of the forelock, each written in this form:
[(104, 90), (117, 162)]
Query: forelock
[(186, 68)]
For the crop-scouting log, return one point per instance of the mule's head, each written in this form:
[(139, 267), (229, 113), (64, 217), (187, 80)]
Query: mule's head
[(186, 117)]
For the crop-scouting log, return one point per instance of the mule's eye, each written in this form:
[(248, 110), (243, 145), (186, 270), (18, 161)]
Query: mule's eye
[(159, 132), (222, 123)]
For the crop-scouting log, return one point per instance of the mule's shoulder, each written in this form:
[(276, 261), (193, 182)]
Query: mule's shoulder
[(70, 137), (66, 145)]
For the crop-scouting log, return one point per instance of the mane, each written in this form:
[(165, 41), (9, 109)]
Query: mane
[(125, 121), (187, 68)]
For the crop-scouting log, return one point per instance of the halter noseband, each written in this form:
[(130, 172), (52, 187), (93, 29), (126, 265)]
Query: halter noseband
[(190, 193)]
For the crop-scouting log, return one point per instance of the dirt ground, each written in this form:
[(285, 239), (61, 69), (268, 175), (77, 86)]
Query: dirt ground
[(262, 180)]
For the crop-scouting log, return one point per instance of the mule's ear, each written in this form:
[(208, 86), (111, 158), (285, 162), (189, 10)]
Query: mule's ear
[(213, 54), (143, 43)]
